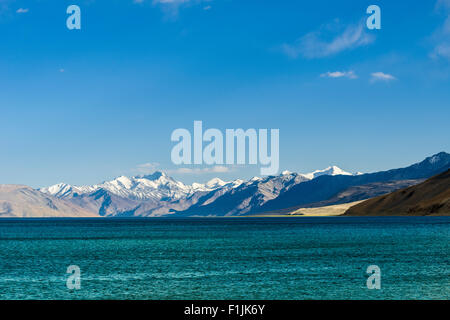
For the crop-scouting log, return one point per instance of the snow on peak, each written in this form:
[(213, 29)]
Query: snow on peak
[(59, 190), (154, 186), (334, 171), (123, 181), (215, 183), (235, 183), (159, 186), (435, 158), (330, 171)]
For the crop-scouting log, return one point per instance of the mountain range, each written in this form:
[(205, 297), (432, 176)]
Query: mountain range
[(158, 194), (316, 191)]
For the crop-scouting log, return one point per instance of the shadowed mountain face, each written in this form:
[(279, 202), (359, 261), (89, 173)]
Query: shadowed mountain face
[(259, 196), (326, 187), (431, 197), (23, 201), (107, 204), (245, 198), (354, 194), (366, 191)]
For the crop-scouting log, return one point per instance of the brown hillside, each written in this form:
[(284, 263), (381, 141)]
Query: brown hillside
[(431, 197), (25, 202)]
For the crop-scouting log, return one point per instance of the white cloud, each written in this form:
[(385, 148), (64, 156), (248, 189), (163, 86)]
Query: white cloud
[(22, 10), (441, 37), (150, 167), (441, 50), (381, 76), (315, 45), (215, 169), (172, 7), (146, 168), (4, 6), (169, 1), (339, 74), (443, 4)]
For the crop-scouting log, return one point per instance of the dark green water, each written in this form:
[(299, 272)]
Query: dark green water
[(255, 258)]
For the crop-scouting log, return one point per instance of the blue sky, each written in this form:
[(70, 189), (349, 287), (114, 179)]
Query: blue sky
[(83, 106)]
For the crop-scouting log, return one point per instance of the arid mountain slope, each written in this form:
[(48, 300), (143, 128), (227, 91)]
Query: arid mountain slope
[(431, 197), (22, 201)]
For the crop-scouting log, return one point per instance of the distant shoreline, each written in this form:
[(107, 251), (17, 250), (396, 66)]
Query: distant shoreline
[(216, 217)]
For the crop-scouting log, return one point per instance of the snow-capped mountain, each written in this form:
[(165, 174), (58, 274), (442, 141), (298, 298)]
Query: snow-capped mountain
[(158, 194), (330, 171), (244, 198), (331, 185), (254, 193), (157, 186), (328, 187)]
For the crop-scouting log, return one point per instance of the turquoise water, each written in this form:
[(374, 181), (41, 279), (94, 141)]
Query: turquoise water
[(242, 258)]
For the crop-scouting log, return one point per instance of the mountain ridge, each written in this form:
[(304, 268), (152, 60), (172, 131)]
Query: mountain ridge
[(157, 194), (431, 197), (325, 187), (157, 186), (24, 201)]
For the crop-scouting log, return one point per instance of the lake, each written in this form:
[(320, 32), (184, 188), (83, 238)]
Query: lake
[(226, 258)]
